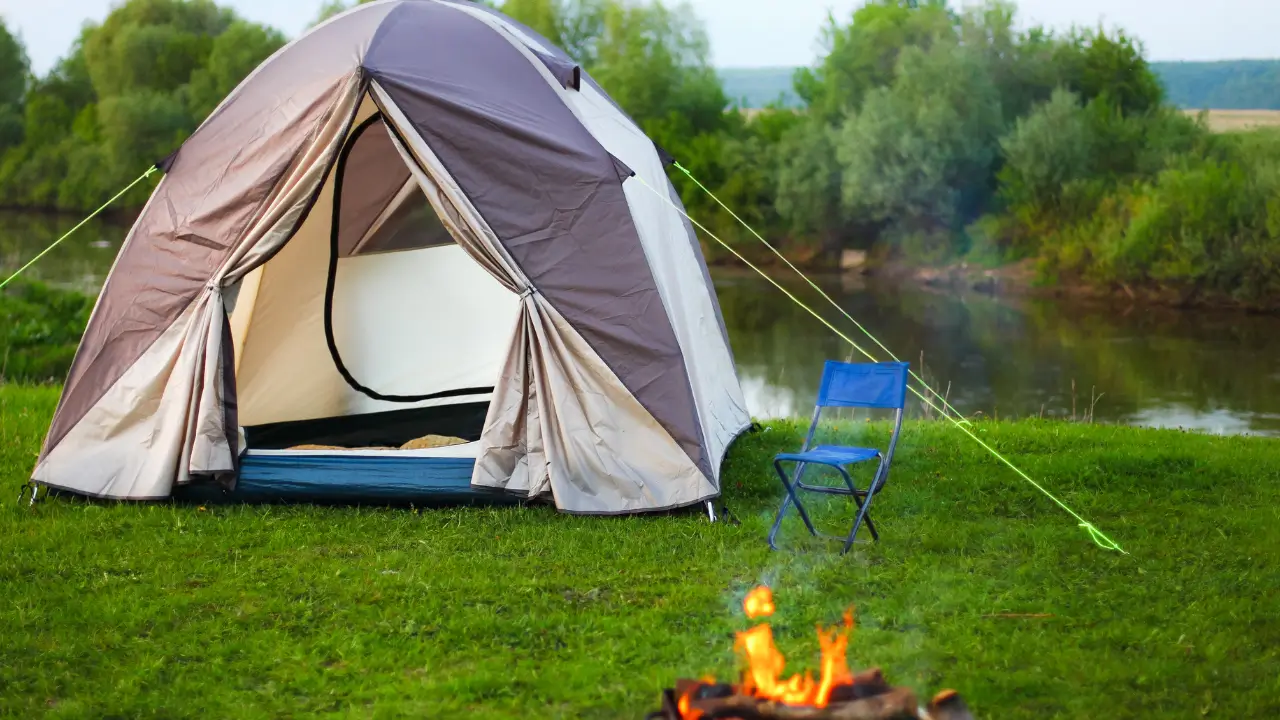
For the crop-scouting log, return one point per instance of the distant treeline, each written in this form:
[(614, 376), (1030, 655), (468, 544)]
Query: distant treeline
[(924, 134), (1226, 85)]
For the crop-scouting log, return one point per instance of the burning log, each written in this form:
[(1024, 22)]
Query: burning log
[(896, 704), (763, 694), (948, 705)]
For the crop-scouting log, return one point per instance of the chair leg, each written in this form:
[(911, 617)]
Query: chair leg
[(777, 523), (872, 527), (791, 499), (863, 508)]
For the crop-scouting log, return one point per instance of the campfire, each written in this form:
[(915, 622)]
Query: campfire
[(764, 694)]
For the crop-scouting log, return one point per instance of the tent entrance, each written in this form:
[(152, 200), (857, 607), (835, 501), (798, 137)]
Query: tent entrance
[(389, 429), (372, 327)]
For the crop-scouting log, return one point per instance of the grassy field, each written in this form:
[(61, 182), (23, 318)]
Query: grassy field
[(1240, 120), (172, 611)]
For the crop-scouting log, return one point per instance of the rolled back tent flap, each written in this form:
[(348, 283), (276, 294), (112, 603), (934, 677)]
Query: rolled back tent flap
[(416, 217)]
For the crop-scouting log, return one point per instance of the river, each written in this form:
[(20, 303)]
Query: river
[(1210, 371)]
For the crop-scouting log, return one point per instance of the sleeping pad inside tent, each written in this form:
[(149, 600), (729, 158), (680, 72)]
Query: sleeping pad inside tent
[(418, 255)]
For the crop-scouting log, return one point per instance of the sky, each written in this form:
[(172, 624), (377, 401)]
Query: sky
[(756, 33)]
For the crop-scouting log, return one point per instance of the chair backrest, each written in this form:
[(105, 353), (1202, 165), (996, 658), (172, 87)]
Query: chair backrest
[(863, 385)]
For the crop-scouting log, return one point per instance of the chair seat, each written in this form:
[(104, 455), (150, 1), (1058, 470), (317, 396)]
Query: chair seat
[(832, 455)]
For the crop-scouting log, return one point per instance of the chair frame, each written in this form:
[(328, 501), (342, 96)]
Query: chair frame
[(860, 497)]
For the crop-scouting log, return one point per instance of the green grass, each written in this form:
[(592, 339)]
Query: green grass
[(169, 611)]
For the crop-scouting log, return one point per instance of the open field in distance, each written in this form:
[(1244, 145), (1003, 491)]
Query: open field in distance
[(1238, 120), (1219, 120)]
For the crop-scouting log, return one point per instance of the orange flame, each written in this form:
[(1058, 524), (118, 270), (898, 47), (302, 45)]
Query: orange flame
[(758, 602), (685, 711), (835, 666), (765, 663)]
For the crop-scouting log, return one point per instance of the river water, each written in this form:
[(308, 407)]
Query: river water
[(1009, 357)]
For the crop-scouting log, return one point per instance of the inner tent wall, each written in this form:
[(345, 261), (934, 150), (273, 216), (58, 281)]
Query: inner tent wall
[(405, 323)]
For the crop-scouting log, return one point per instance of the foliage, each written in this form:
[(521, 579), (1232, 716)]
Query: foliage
[(1208, 224), (956, 133), (129, 92), (15, 69), (917, 98), (1146, 198), (809, 181), (235, 53), (924, 133), (863, 55), (918, 155), (1097, 65), (1047, 151), (40, 328)]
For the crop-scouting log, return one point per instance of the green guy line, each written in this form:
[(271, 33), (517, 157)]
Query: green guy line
[(824, 295), (1096, 535), (82, 223)]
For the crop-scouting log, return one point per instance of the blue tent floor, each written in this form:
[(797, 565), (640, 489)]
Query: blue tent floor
[(352, 478)]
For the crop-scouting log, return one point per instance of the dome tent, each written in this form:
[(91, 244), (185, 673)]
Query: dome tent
[(417, 218)]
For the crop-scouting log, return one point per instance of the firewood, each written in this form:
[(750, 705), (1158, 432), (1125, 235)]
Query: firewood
[(948, 705), (734, 707), (867, 683), (896, 704)]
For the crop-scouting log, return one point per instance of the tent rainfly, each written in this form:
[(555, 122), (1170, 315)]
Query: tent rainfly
[(418, 218)]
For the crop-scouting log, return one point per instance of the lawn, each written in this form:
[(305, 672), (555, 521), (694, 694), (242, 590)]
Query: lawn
[(980, 584)]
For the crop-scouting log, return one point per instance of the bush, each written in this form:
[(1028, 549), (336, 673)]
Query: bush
[(40, 329), (1209, 222), (1045, 151), (919, 155)]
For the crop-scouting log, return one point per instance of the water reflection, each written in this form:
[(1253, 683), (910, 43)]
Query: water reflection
[(1160, 367), (82, 261)]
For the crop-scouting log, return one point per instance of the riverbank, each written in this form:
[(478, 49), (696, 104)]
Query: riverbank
[(1023, 279), (1017, 279), (980, 584)]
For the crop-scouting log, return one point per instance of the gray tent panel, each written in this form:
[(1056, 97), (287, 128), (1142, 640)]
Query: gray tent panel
[(546, 187)]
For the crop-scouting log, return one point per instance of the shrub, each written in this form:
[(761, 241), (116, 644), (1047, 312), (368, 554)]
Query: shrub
[(40, 328)]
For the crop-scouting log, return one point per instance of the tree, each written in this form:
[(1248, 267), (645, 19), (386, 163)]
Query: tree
[(15, 72), (863, 55), (153, 44), (655, 62), (129, 92), (235, 54), (919, 155), (1021, 63), (809, 181), (1097, 65), (329, 9), (1046, 151)]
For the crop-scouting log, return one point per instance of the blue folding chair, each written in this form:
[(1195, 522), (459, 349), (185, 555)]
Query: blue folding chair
[(877, 386)]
